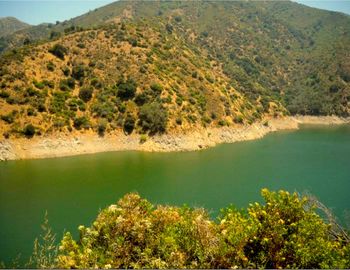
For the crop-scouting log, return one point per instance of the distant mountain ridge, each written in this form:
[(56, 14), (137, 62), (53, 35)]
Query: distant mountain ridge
[(9, 25), (195, 62)]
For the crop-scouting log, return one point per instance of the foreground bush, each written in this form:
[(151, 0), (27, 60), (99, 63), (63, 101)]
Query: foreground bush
[(285, 232)]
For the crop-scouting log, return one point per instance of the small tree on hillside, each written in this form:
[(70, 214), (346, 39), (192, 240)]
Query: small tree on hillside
[(153, 118), (126, 89), (129, 124), (85, 93), (59, 51)]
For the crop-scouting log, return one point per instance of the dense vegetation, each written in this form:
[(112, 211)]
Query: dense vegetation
[(213, 64), (286, 231)]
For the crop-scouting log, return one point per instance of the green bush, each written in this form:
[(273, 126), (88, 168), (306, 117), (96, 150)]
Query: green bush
[(58, 102), (39, 85), (143, 138), (81, 122), (126, 89), (59, 51), (101, 127), (67, 84), (142, 98), (95, 82), (129, 124), (32, 92), (66, 71), (283, 232), (50, 66), (79, 72), (85, 93), (238, 119), (4, 94), (10, 117), (157, 89), (29, 130), (31, 111), (153, 118)]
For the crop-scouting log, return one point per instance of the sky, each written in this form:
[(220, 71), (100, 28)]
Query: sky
[(38, 11), (342, 6)]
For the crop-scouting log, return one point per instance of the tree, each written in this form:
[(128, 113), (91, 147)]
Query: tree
[(153, 118), (101, 127), (129, 124), (80, 122), (59, 51), (141, 99), (85, 93), (78, 72), (126, 89), (29, 130)]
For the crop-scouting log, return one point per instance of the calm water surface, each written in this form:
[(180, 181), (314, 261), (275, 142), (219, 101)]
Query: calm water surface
[(73, 189)]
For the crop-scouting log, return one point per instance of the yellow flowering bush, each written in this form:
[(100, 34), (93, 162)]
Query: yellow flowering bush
[(284, 232)]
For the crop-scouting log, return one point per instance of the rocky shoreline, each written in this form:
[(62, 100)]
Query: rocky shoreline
[(77, 144)]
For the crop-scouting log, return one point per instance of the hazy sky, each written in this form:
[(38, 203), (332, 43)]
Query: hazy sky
[(35, 12)]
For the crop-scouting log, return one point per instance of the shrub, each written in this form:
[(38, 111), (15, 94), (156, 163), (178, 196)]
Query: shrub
[(4, 94), (50, 66), (178, 121), (178, 100), (66, 71), (32, 92), (95, 82), (126, 89), (143, 138), (78, 72), (284, 232), (39, 85), (58, 102), (222, 122), (157, 89), (85, 93), (129, 124), (29, 130), (6, 135), (133, 42), (178, 19), (10, 117), (58, 50), (141, 99), (169, 28), (67, 84), (31, 111), (81, 122), (50, 84), (153, 118), (101, 127), (238, 119)]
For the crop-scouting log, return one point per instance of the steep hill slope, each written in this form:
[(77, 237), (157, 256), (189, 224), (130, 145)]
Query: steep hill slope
[(119, 76)]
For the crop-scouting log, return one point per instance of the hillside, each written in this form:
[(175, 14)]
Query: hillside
[(9, 25), (155, 67)]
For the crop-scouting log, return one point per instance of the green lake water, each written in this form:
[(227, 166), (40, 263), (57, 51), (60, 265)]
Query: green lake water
[(73, 189)]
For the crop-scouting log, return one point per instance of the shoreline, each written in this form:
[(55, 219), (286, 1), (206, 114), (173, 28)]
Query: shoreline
[(198, 139)]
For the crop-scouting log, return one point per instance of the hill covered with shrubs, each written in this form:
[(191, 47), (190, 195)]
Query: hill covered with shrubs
[(153, 67), (286, 231)]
